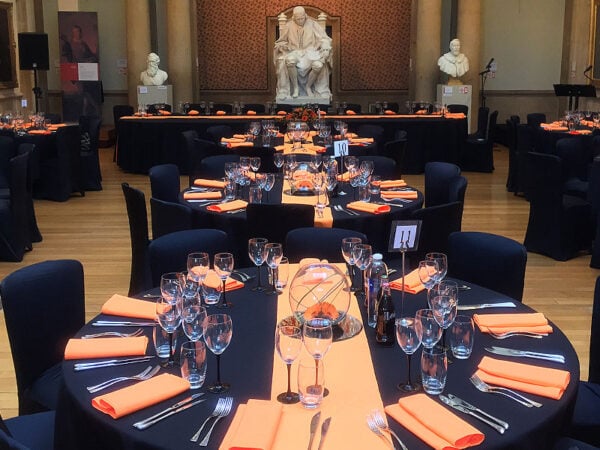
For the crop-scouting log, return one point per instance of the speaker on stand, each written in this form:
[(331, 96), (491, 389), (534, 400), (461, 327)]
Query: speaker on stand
[(33, 55)]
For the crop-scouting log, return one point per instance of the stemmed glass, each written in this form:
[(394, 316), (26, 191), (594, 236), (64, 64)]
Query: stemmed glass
[(442, 262), (428, 330), (274, 253), (198, 265), (444, 311), (223, 265), (192, 319), (347, 245), (218, 329), (269, 183), (288, 342), (168, 314), (278, 159), (409, 342), (255, 163), (317, 335), (258, 254), (362, 254), (170, 286), (427, 274)]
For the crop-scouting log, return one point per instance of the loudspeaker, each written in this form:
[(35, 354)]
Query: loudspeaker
[(33, 51)]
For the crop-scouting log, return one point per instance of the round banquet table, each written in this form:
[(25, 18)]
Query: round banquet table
[(248, 363)]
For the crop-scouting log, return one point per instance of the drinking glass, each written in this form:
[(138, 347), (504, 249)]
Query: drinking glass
[(168, 315), (311, 384), (427, 271), (258, 254), (218, 329), (434, 369), (444, 311), (428, 330), (446, 287), (288, 342), (170, 286), (198, 265), (274, 254), (317, 335), (347, 246), (269, 183), (367, 167), (283, 273), (409, 342), (462, 335), (255, 163), (164, 344), (442, 262), (192, 361), (375, 185), (192, 319), (223, 265), (278, 159), (362, 254)]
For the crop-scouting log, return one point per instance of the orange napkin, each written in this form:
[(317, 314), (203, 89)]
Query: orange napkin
[(503, 323), (365, 140), (350, 112), (389, 184), (164, 112), (191, 195), (106, 347), (233, 139), (140, 395), (536, 380), (583, 132), (40, 132), (557, 128), (229, 206), (240, 144), (254, 426), (372, 208), (433, 423), (411, 195), (203, 182), (250, 113), (455, 115), (412, 282), (220, 113), (193, 112), (119, 305), (389, 112), (213, 280), (315, 148), (281, 113)]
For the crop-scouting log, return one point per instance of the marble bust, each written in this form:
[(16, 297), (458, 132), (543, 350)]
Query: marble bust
[(454, 63), (153, 76), (303, 58)]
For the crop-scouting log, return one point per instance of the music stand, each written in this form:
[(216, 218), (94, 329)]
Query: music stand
[(574, 91)]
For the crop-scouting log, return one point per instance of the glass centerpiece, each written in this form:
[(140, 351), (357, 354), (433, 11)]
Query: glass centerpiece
[(302, 178)]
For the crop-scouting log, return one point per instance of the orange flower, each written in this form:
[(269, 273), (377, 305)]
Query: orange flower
[(323, 310)]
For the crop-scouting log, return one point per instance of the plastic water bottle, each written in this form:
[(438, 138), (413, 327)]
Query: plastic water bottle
[(373, 280)]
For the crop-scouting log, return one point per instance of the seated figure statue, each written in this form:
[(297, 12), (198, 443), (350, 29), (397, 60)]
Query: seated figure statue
[(302, 57), (153, 76), (454, 63)]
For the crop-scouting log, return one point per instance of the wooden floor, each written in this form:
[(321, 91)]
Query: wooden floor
[(94, 229)]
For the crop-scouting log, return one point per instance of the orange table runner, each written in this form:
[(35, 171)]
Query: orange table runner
[(321, 222)]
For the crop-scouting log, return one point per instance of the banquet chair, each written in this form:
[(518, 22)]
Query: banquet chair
[(567, 443), (118, 112), (438, 176), (494, 262), (169, 252), (377, 132), (356, 107), (135, 201), (44, 306), (7, 151), (559, 225), (33, 169), (214, 166), (164, 182), (383, 166), (477, 153), (28, 432), (576, 159), (285, 107), (91, 176), (169, 217), (535, 119), (396, 149), (512, 180), (227, 107), (14, 213), (322, 243), (594, 199), (154, 108), (524, 146), (258, 108), (456, 193), (483, 115), (275, 221), (458, 109), (216, 132), (197, 150)]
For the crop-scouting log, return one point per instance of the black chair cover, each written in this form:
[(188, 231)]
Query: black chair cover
[(477, 153), (164, 182), (28, 432), (512, 180), (214, 166), (438, 176), (14, 213), (91, 175), (169, 217), (198, 149), (396, 150), (34, 234), (383, 166)]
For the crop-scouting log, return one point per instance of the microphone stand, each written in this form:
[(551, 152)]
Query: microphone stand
[(483, 76)]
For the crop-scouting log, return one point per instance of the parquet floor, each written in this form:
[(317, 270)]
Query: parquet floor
[(94, 229)]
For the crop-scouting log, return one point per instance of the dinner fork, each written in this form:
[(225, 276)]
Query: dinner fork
[(144, 375), (382, 424), (484, 387), (226, 410), (218, 409), (517, 333), (136, 333), (375, 429)]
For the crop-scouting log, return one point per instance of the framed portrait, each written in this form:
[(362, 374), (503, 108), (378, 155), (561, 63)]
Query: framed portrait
[(8, 74)]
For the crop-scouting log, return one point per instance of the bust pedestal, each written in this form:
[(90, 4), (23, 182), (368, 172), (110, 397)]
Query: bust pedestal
[(453, 94), (149, 95)]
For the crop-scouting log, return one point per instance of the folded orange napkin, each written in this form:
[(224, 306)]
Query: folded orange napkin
[(250, 113), (193, 112), (191, 195), (455, 115), (412, 282), (254, 426), (213, 280), (389, 112), (433, 423), (558, 128), (350, 112), (240, 144), (233, 139), (40, 132), (119, 305), (281, 113), (411, 195), (536, 380), (229, 206), (203, 182), (105, 347), (315, 148), (503, 323), (140, 395), (389, 184), (584, 131), (239, 136), (164, 112), (359, 140), (220, 113), (372, 208)]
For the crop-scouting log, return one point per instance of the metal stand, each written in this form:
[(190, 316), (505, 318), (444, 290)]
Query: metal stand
[(403, 249), (37, 91)]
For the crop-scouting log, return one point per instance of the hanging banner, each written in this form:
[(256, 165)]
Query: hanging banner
[(79, 65)]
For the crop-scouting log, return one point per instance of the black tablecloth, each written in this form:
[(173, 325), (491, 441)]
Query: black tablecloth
[(247, 365)]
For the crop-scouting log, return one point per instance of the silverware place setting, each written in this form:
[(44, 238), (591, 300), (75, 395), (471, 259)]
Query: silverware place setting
[(340, 208), (121, 323), (379, 420), (460, 405), (484, 387), (146, 374), (222, 409), (485, 305), (314, 424), (110, 363), (136, 333), (510, 334), (503, 351), (181, 405), (375, 429)]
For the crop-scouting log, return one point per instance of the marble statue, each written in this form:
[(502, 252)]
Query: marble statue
[(454, 63), (153, 76), (303, 59)]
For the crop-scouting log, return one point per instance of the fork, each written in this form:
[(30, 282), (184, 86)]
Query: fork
[(382, 424), (242, 276), (375, 429), (342, 209), (517, 333), (218, 409), (148, 373), (136, 333), (484, 387), (226, 410)]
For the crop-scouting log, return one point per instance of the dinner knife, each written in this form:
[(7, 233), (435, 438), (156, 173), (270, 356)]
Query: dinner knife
[(170, 413), (462, 409), (314, 423), (177, 405), (459, 401), (121, 323), (324, 428), (486, 305), (526, 354), (110, 363)]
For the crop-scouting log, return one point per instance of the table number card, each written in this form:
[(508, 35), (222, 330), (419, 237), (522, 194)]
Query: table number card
[(340, 148), (404, 236)]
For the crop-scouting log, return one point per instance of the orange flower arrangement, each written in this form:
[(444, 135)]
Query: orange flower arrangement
[(301, 114)]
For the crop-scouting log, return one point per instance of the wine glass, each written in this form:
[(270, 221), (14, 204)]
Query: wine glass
[(367, 167), (427, 271), (168, 314), (428, 330), (170, 286), (192, 319), (362, 254), (409, 342), (446, 287), (347, 245), (258, 254), (198, 265), (442, 262), (317, 335), (269, 183), (278, 159), (288, 342), (255, 163), (223, 265), (444, 311), (218, 329), (274, 253)]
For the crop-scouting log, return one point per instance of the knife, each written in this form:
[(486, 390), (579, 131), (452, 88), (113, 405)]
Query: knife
[(459, 401), (177, 405), (314, 423), (170, 413), (324, 429), (110, 363), (121, 323), (526, 354), (462, 409), (486, 305)]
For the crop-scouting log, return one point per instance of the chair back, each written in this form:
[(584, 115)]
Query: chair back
[(121, 111), (383, 166), (535, 119), (258, 108), (168, 217), (377, 132), (483, 116), (33, 172), (457, 191), (7, 151), (322, 243), (216, 132), (396, 150), (438, 222), (19, 203), (594, 372), (438, 176), (458, 109), (164, 182), (197, 150), (356, 107), (275, 221), (227, 107), (512, 183), (91, 176), (544, 177), (492, 261), (68, 176), (44, 306), (214, 166)]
